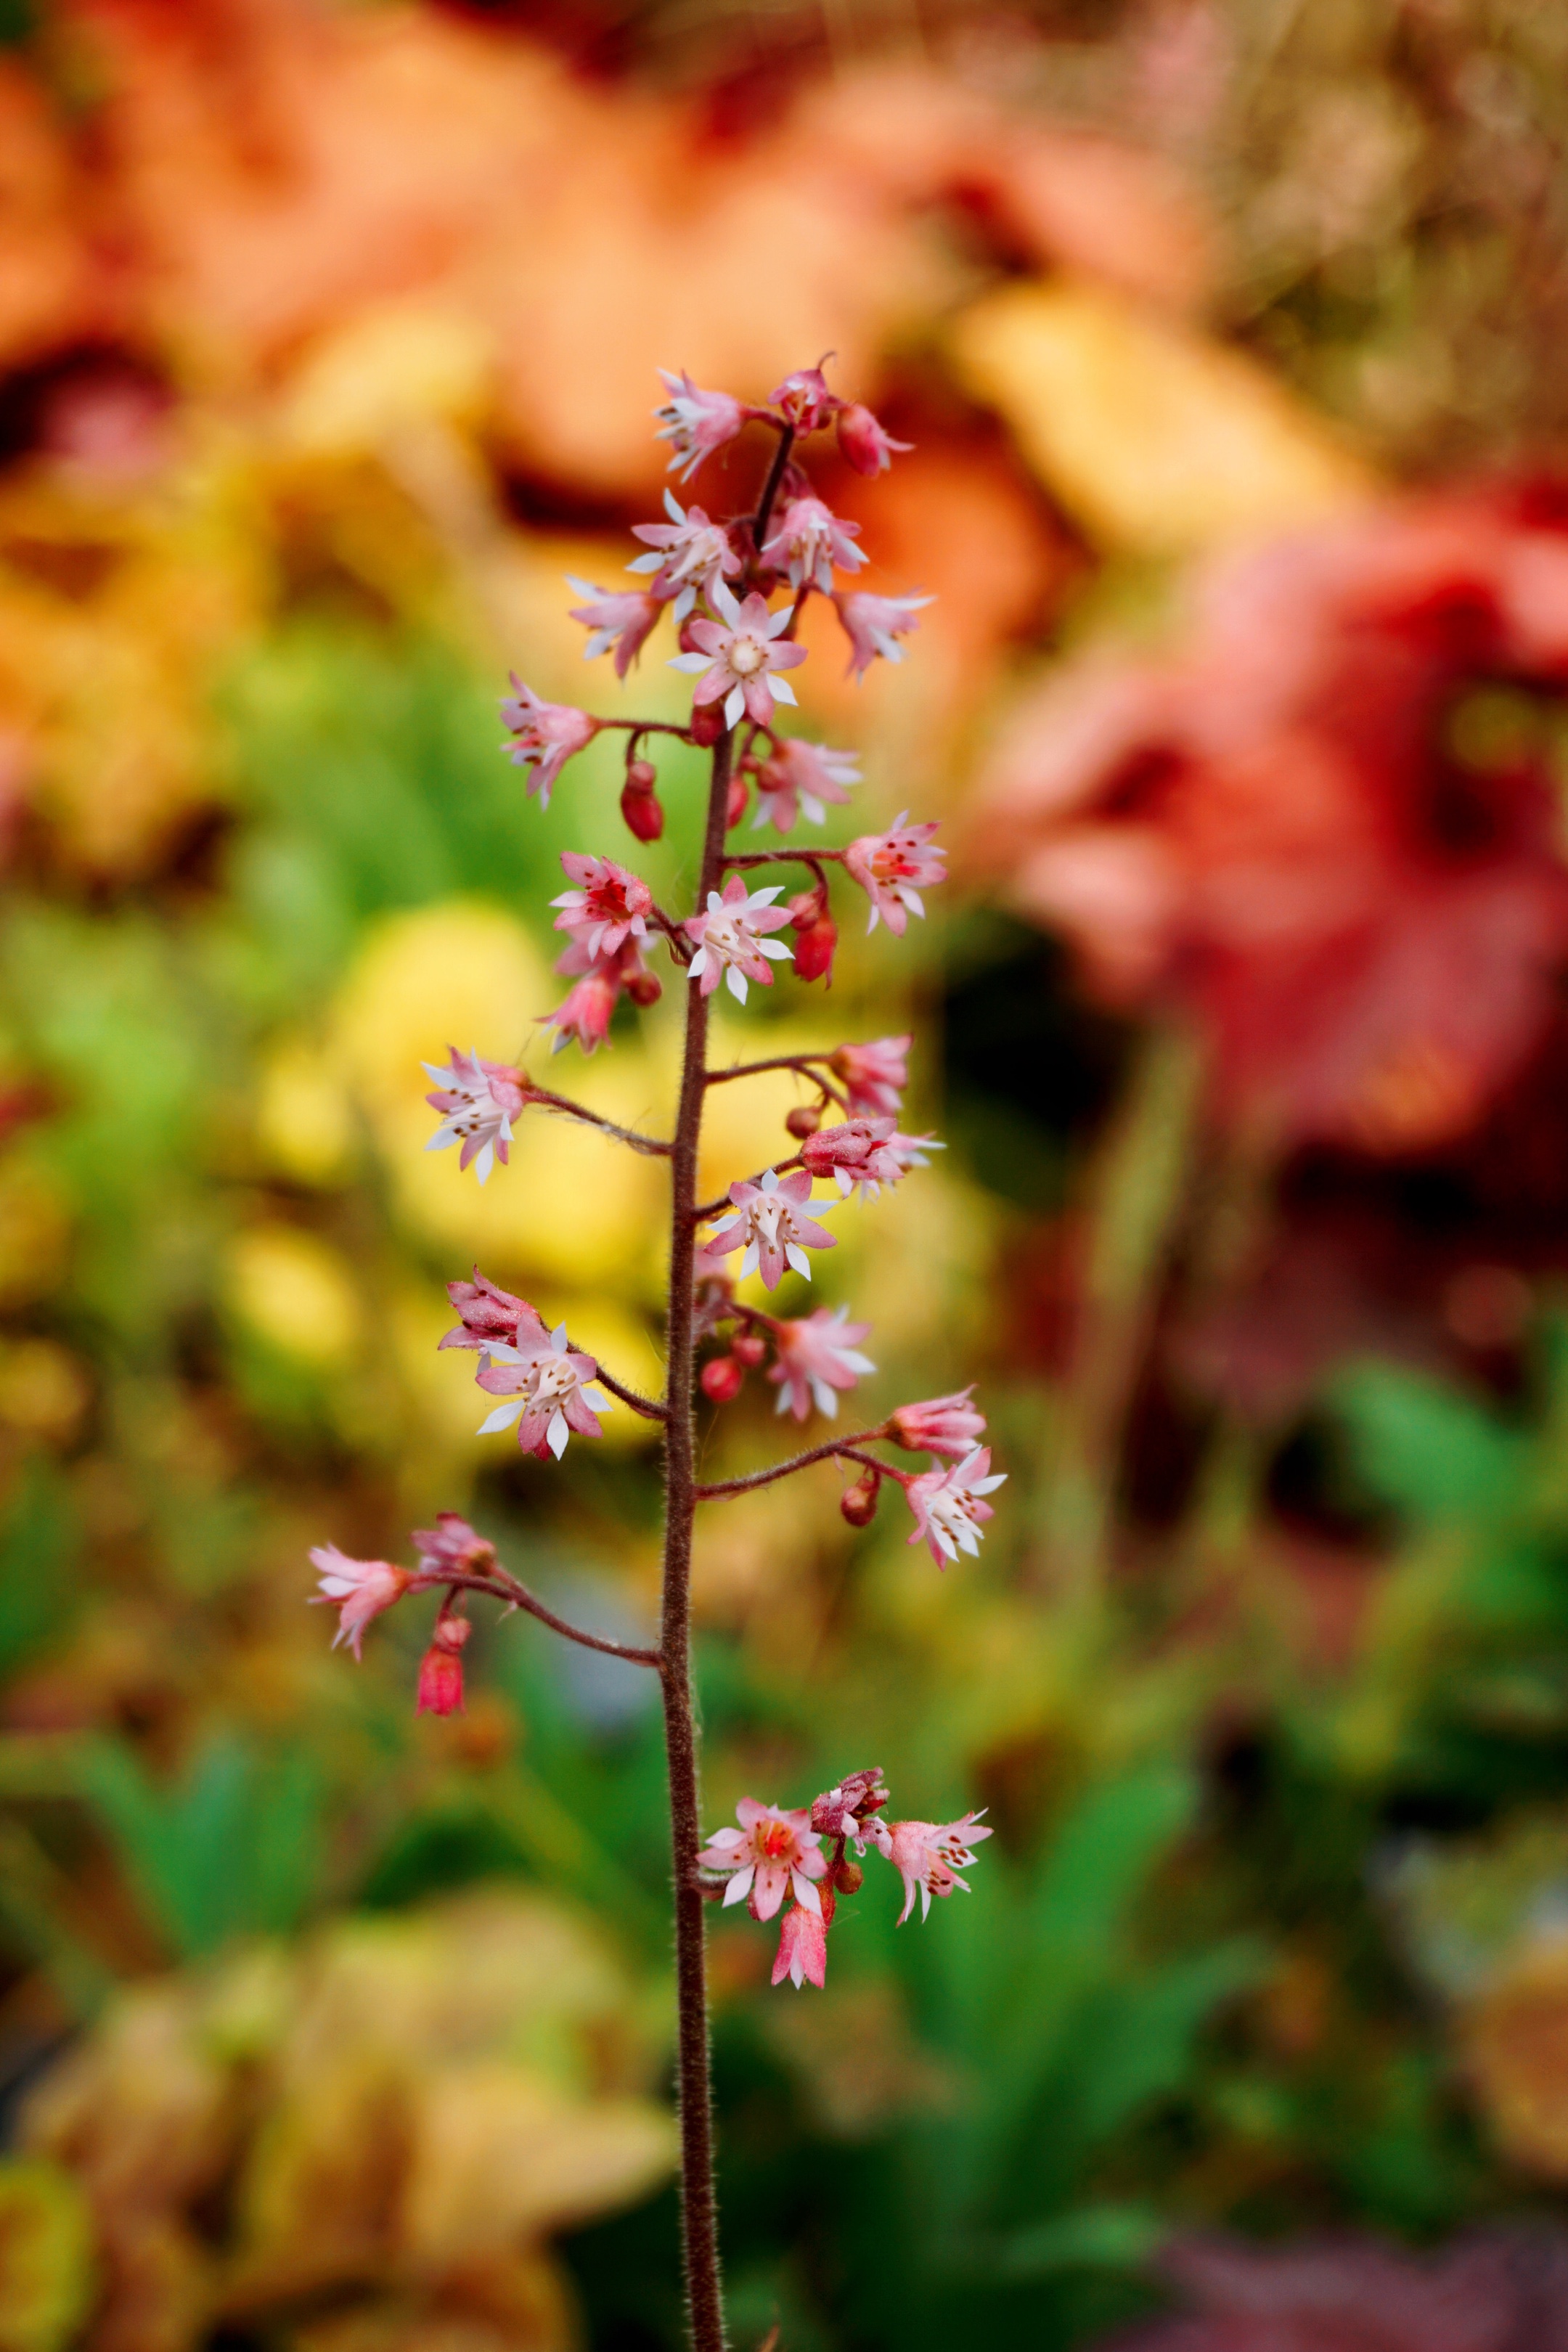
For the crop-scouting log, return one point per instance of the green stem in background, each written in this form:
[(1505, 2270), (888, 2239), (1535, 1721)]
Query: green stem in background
[(699, 2203)]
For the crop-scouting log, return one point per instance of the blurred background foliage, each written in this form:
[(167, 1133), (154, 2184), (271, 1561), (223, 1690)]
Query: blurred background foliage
[(1228, 332)]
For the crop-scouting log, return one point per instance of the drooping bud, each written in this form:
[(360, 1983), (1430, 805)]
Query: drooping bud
[(804, 1121), (815, 935), (721, 1379), (859, 1502), (749, 1348), (865, 443), (441, 1668), (706, 724), (640, 804), (735, 807), (644, 987), (849, 1876)]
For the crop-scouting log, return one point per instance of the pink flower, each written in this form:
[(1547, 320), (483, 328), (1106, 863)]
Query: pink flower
[(893, 867), (624, 618), (803, 777), (803, 1948), (867, 444), (585, 1011), (741, 656), (816, 1355), (359, 1590), (609, 906), (772, 1228), (441, 1668), (695, 423), (477, 1101), (545, 735), (866, 1152), (547, 1391), (452, 1543), (945, 1424), (808, 539), (490, 1314), (875, 1076), (689, 553), (729, 940), (949, 1505), (844, 1811), (927, 1855), (773, 1851), (872, 623), (804, 400)]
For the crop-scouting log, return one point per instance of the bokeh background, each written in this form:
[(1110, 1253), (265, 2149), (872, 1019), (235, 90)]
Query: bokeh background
[(1229, 334)]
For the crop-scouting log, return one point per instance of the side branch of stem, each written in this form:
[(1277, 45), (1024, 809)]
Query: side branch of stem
[(651, 1144), (846, 1446), (506, 1587)]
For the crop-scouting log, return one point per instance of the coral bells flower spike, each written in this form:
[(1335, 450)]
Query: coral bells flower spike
[(547, 1394), (739, 658), (804, 400), (929, 1856), (803, 1948), (773, 1852), (688, 552), (624, 618), (865, 443), (477, 1101), (945, 1424), (893, 867), (816, 1355), (808, 541), (872, 624), (874, 1077), (441, 1668), (844, 1811), (695, 423), (544, 736), (493, 1317), (771, 1227), (359, 1590), (802, 779), (730, 942), (452, 1543), (608, 906), (950, 1507)]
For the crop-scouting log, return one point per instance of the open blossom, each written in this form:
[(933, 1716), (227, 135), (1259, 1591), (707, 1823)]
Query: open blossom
[(815, 1355), (477, 1101), (547, 1391), (544, 735), (870, 1152), (805, 399), (945, 1424), (441, 1668), (452, 1543), (808, 539), (874, 1077), (490, 1314), (872, 624), (803, 778), (773, 1851), (694, 422), (893, 867), (867, 443), (686, 553), (950, 1507), (359, 1590), (623, 617), (846, 1811), (741, 656), (927, 1855), (771, 1227), (729, 940), (803, 1948), (608, 905)]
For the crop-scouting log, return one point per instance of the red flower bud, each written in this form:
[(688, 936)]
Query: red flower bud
[(804, 1121), (859, 1503), (749, 1348), (644, 987), (441, 1668), (640, 805), (641, 776), (849, 1876), (735, 807), (814, 951), (707, 724), (721, 1379)]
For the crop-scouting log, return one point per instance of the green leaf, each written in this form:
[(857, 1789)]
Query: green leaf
[(1089, 2237), (1425, 1448), (39, 1547)]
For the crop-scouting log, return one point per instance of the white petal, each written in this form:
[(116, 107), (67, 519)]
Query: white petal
[(765, 897), (651, 562), (824, 1398), (484, 1163), (855, 1361), (750, 1262), (736, 981), (556, 1435), (442, 1140), (673, 505), (724, 604), (806, 1893), (735, 707), (683, 604), (911, 900), (775, 950), (798, 1258), (691, 663), (779, 622), (598, 1399), (780, 689), (558, 1338), (503, 1417), (699, 965), (740, 1886)]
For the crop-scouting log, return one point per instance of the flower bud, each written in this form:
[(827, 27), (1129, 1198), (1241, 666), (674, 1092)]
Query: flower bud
[(859, 1503), (868, 446), (644, 987), (640, 804), (749, 1348), (849, 1876), (641, 776), (721, 1379), (735, 807), (441, 1668), (707, 724), (804, 1121), (814, 951)]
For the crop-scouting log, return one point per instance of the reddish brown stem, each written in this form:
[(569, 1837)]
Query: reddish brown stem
[(699, 2204), (771, 486), (849, 1447), (503, 1586), (542, 1098)]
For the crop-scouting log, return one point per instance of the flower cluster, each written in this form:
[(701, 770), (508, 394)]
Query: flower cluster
[(804, 1855)]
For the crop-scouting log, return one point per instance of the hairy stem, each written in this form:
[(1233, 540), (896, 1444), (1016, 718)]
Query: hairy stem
[(771, 486), (700, 2219), (849, 1448), (504, 1586), (543, 1099)]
